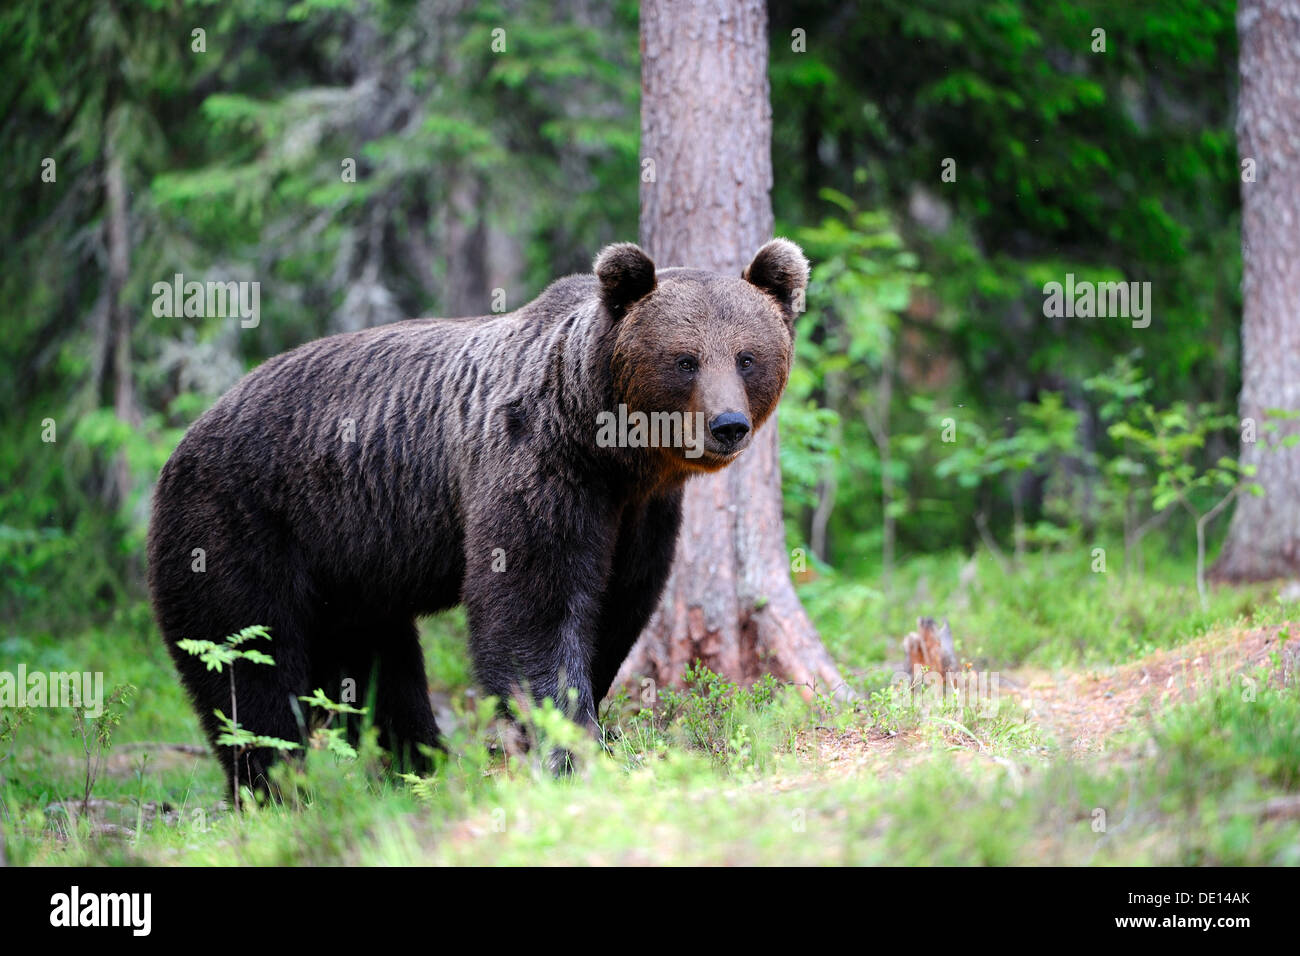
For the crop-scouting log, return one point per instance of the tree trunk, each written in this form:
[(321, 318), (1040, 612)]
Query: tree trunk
[(706, 123), (1264, 537), (119, 320), (468, 292), (878, 424)]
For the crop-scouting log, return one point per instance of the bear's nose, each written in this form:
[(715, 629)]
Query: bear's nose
[(729, 427)]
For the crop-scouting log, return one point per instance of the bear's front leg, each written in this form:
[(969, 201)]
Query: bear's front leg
[(647, 540), (535, 571)]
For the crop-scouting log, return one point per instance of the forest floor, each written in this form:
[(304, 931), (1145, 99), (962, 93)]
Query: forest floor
[(1087, 709), (1180, 747)]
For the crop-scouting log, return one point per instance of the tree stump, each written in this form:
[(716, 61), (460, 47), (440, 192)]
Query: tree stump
[(930, 648)]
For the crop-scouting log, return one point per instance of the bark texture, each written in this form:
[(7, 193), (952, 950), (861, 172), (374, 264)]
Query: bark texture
[(706, 123), (117, 241), (1264, 538)]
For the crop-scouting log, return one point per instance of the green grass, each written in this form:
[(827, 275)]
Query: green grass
[(716, 773), (1051, 611)]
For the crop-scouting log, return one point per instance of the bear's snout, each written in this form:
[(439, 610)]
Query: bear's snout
[(729, 429)]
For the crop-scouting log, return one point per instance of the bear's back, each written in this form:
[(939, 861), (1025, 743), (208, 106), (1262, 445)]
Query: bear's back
[(353, 447)]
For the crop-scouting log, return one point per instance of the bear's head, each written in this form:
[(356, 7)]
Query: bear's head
[(712, 351)]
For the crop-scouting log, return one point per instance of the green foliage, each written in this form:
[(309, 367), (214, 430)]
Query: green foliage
[(1194, 776), (233, 735), (96, 733), (923, 288), (838, 405), (325, 737), (11, 719), (223, 657), (216, 657), (319, 700), (1242, 729), (1169, 437), (231, 162), (1052, 611), (972, 709), (1170, 444), (1060, 165), (716, 716), (1046, 431)]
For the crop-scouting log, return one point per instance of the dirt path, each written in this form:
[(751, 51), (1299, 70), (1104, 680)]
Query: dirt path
[(1081, 709)]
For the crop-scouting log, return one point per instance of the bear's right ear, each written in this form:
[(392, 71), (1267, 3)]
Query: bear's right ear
[(780, 270), (626, 276)]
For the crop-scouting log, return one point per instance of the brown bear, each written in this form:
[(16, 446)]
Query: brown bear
[(344, 489)]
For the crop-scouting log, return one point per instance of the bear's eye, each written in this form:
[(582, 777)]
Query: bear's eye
[(686, 363), (745, 361)]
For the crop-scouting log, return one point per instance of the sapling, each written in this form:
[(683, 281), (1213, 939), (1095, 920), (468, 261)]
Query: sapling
[(97, 735), (222, 657), (1171, 437)]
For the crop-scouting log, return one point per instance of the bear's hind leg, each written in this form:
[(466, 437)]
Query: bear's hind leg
[(266, 704), (403, 714)]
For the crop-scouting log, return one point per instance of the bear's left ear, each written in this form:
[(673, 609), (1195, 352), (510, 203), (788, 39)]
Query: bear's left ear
[(780, 270), (626, 276)]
